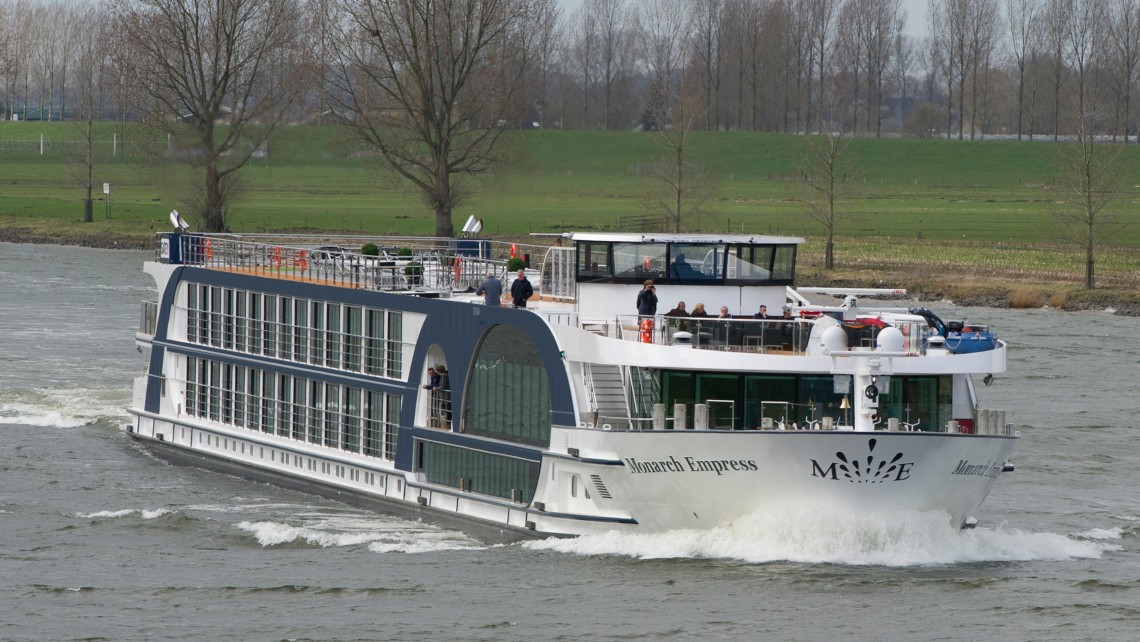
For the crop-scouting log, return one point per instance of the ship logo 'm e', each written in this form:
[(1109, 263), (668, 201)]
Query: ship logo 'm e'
[(869, 469)]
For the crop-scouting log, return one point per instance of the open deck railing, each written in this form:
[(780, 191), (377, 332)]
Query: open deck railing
[(404, 263)]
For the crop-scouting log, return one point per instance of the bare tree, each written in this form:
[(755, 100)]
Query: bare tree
[(1022, 16), (687, 184), (582, 45), (662, 33), (820, 29), (1055, 29), (1081, 28), (549, 14), (1124, 42), (431, 86), (219, 76), (91, 72), (1094, 173), (612, 24), (708, 42), (825, 169)]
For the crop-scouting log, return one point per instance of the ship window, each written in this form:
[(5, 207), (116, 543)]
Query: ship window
[(227, 383), (317, 333), (269, 404), (784, 263), (391, 424), (374, 342), (285, 327), (750, 262), (214, 386), (639, 261), (300, 330), (332, 415), (192, 313), (300, 399), (255, 322), (925, 400), (573, 485), (191, 386), (254, 406), (594, 261), (696, 261), (316, 406), (374, 424), (270, 324), (483, 472), (215, 316), (351, 440), (333, 338), (354, 328), (507, 394), (284, 405), (395, 345), (241, 321), (228, 318)]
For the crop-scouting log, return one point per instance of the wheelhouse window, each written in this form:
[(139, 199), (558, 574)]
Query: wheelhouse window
[(696, 261), (594, 262), (693, 263)]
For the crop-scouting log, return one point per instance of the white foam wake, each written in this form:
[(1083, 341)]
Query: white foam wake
[(112, 514), (71, 408), (379, 535), (894, 539)]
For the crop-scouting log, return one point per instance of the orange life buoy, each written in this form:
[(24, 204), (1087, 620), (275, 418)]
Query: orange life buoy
[(209, 248), (647, 331), (303, 260), (514, 250)]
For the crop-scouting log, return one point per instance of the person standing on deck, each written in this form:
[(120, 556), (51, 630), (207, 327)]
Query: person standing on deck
[(491, 289), (647, 300), (521, 290)]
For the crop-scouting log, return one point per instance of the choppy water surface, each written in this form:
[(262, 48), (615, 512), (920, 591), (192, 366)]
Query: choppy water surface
[(99, 540)]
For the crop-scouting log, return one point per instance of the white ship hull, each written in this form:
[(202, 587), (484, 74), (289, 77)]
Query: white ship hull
[(691, 479)]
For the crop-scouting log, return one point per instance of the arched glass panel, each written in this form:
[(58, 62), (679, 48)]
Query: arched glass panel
[(508, 392)]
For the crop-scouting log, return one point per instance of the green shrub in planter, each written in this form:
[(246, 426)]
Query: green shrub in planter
[(404, 252), (515, 264), (370, 249), (413, 271)]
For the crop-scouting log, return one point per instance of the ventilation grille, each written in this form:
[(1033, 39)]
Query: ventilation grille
[(599, 486)]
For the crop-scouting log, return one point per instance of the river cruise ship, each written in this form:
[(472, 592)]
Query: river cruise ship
[(304, 362)]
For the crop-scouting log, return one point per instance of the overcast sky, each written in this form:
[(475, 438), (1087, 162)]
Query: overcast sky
[(916, 14)]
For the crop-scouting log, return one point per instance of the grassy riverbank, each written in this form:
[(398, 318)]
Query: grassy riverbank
[(970, 221)]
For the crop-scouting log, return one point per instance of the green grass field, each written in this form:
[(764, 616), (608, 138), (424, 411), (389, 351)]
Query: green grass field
[(993, 200)]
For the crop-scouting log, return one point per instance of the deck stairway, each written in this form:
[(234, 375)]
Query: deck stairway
[(609, 395)]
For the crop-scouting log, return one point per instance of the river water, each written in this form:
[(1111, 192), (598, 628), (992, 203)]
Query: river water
[(99, 540)]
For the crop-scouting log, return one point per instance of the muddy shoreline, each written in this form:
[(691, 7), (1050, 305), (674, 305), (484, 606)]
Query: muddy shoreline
[(989, 294)]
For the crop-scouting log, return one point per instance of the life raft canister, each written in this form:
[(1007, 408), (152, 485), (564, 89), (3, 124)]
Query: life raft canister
[(209, 248), (514, 250), (276, 259), (303, 260)]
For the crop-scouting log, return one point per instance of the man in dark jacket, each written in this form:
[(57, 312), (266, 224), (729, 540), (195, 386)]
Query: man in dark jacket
[(647, 300), (491, 289), (521, 290)]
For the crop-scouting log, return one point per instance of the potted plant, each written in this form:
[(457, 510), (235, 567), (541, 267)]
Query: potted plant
[(370, 249), (413, 271), (516, 264)]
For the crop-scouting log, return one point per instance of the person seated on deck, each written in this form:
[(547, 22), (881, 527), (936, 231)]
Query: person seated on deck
[(700, 327), (678, 312), (681, 269)]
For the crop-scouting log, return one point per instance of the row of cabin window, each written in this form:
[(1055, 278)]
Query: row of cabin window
[(317, 412), (321, 333)]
